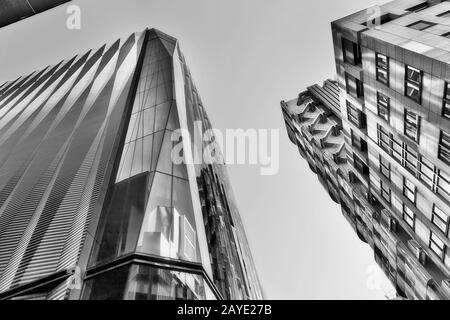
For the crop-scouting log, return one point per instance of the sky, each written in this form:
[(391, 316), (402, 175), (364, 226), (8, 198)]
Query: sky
[(245, 57)]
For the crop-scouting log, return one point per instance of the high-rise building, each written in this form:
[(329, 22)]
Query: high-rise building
[(92, 203), (379, 138), (12, 11)]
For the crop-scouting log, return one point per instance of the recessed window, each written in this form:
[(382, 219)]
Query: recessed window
[(419, 7), (445, 14), (440, 219), (352, 52), (408, 216), (359, 165), (437, 245), (355, 86), (413, 83), (358, 142), (443, 184), (383, 104), (444, 147), (412, 122), (385, 192), (355, 116), (426, 172), (409, 190), (385, 167), (382, 62), (446, 106), (421, 25), (410, 159)]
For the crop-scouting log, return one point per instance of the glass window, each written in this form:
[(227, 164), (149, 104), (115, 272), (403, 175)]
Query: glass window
[(355, 116), (445, 14), (385, 167), (409, 216), (384, 140), (409, 190), (413, 84), (446, 107), (440, 219), (352, 52), (444, 147), (354, 86), (360, 166), (382, 65), (426, 172), (358, 142), (421, 25), (411, 159), (385, 192), (443, 184), (412, 123), (437, 245), (383, 104)]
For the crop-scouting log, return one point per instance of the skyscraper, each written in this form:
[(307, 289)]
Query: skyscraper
[(92, 205), (379, 138)]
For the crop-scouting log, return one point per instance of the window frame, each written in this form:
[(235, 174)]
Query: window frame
[(415, 125), (406, 189), (432, 242), (383, 166), (441, 220), (417, 85), (446, 99), (444, 147), (383, 105), (382, 68), (406, 213), (427, 23)]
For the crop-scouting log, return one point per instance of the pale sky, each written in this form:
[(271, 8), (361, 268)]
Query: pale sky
[(245, 56)]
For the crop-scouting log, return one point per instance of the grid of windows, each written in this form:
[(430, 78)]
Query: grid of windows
[(421, 25), (383, 105), (354, 86), (446, 106), (355, 116), (408, 216), (437, 245), (385, 167), (413, 83), (385, 192), (444, 147), (412, 124), (409, 190), (352, 52), (382, 63), (440, 219)]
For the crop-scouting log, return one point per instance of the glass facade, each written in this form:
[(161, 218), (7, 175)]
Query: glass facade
[(102, 189)]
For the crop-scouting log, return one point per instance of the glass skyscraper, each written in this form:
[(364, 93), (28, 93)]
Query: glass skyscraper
[(92, 205)]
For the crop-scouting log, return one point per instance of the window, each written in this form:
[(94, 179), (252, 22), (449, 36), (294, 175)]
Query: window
[(383, 103), (382, 63), (384, 140), (413, 83), (409, 190), (445, 14), (419, 7), (446, 107), (355, 116), (444, 147), (385, 167), (411, 160), (409, 216), (437, 245), (359, 165), (352, 52), (412, 122), (358, 142), (385, 192), (354, 86), (443, 184), (440, 219), (421, 25), (426, 172)]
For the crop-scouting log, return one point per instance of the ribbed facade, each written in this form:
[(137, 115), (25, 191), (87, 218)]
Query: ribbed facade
[(92, 205), (392, 176)]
